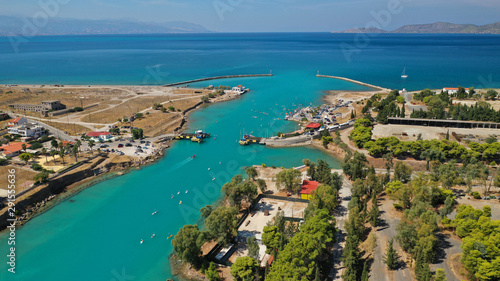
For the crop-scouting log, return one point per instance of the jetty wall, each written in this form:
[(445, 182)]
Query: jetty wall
[(354, 81), (216, 77)]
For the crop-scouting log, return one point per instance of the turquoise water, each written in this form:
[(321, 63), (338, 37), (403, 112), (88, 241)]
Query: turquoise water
[(97, 236)]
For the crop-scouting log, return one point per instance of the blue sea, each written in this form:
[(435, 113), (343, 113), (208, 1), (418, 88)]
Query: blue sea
[(96, 235)]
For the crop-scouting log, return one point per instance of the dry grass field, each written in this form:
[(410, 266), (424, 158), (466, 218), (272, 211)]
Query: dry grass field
[(157, 123), (69, 96), (72, 129), (22, 177)]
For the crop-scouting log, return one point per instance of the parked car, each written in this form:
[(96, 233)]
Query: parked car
[(128, 144), (120, 145)]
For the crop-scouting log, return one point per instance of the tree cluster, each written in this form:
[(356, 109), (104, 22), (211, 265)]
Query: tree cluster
[(480, 241)]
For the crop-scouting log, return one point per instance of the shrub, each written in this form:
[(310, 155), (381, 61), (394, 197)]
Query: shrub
[(36, 167), (476, 195)]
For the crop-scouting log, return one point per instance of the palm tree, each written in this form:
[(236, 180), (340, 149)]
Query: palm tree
[(44, 152), (61, 153), (23, 146), (91, 144), (53, 153)]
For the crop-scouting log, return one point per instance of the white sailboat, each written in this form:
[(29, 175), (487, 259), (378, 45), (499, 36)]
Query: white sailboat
[(403, 75)]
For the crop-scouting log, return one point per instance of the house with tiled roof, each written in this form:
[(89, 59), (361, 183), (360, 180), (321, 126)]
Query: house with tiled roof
[(307, 189), (13, 149)]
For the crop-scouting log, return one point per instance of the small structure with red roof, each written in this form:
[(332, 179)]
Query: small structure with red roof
[(97, 136), (13, 149), (454, 90), (17, 122), (313, 125), (307, 189)]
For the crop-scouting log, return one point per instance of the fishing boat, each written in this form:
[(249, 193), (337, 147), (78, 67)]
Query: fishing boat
[(155, 212), (180, 202), (403, 75)]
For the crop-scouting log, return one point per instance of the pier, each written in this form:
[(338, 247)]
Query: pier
[(196, 137), (354, 81), (217, 77), (246, 140)]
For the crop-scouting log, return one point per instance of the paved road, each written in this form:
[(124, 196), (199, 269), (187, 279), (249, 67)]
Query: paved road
[(341, 215), (385, 231), (447, 247)]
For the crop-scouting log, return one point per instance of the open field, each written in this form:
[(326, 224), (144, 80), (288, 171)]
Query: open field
[(24, 178), (71, 128), (428, 133), (157, 123)]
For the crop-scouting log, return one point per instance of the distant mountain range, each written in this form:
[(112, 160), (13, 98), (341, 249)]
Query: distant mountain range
[(10, 25), (438, 27)]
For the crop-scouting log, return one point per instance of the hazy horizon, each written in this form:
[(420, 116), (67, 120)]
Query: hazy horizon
[(268, 16)]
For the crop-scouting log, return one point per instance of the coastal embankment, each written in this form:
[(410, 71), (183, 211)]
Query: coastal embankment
[(217, 77), (353, 81)]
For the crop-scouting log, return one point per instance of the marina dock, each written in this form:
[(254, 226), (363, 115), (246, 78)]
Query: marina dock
[(198, 136)]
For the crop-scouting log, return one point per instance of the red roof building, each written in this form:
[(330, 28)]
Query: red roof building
[(313, 125), (307, 188), (97, 136), (16, 122), (13, 149)]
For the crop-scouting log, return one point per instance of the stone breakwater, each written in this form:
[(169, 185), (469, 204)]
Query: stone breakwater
[(216, 78)]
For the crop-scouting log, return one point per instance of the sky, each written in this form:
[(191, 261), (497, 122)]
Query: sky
[(268, 15)]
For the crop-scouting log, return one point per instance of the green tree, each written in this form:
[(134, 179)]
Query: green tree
[(212, 273), (41, 177), (54, 144), (402, 172), (253, 248), (137, 133), (61, 153), (374, 212), (53, 153), (25, 157), (361, 135), (290, 180), (44, 152), (391, 257), (366, 272), (262, 185), (251, 172), (271, 237), (221, 224), (245, 269), (355, 166), (206, 211), (440, 275), (491, 94), (186, 244), (91, 145)]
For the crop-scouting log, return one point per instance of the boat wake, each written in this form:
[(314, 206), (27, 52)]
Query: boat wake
[(180, 164)]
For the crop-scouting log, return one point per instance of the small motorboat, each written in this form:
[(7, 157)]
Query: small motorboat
[(152, 236), (194, 156), (186, 191), (209, 168), (178, 192), (213, 179), (180, 202), (170, 236), (172, 196), (155, 212), (142, 241)]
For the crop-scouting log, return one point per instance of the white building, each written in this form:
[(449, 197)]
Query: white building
[(98, 136), (27, 130), (452, 91)]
